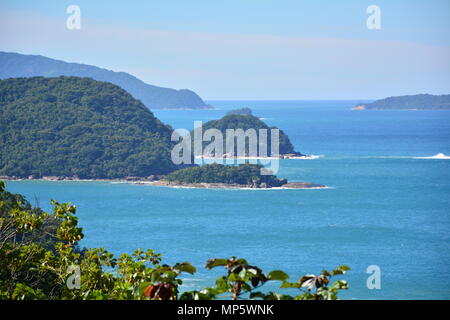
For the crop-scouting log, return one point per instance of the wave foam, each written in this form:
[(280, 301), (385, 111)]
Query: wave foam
[(307, 157), (436, 156)]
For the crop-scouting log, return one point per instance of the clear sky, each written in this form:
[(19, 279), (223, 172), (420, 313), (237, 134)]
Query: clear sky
[(247, 49)]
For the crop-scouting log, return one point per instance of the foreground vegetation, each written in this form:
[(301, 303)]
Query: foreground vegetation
[(39, 259)]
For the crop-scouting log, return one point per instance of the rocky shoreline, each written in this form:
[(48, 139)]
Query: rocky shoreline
[(287, 185), (156, 180), (281, 156), (130, 179)]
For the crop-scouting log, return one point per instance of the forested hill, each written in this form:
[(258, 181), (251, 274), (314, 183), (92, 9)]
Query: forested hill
[(69, 126), (418, 101), (14, 65), (245, 122)]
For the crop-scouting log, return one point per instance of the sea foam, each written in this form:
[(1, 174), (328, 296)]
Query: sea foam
[(436, 156)]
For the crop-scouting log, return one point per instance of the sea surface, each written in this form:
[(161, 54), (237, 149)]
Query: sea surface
[(386, 205)]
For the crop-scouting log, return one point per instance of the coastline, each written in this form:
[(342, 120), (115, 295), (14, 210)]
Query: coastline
[(204, 185), (282, 156), (171, 184), (368, 108)]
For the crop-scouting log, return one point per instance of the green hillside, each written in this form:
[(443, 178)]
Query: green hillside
[(69, 126)]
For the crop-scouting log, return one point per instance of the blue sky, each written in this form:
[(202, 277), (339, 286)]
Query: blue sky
[(247, 49)]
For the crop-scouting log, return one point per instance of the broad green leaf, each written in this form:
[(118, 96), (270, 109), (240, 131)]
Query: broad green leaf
[(185, 267), (212, 263), (277, 275)]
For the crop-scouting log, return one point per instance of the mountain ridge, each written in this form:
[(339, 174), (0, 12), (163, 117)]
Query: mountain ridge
[(409, 102), (16, 65)]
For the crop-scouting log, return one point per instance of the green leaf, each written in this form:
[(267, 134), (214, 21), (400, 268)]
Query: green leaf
[(234, 277), (340, 270), (286, 284), (185, 267), (212, 263), (277, 275), (142, 288)]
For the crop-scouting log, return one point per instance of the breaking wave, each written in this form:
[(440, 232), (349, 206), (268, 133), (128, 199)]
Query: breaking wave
[(436, 156)]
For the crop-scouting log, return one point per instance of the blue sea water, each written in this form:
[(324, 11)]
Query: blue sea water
[(384, 206)]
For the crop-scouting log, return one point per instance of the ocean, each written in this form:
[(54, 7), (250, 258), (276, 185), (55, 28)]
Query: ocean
[(387, 203)]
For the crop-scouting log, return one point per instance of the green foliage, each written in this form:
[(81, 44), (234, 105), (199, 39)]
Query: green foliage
[(245, 122), (243, 174), (241, 111), (70, 126), (32, 268)]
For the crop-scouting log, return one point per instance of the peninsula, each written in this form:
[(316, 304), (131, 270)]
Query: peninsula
[(412, 102)]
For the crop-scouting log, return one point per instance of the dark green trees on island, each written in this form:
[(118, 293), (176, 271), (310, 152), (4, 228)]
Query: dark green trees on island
[(248, 121), (70, 126), (86, 129), (243, 174)]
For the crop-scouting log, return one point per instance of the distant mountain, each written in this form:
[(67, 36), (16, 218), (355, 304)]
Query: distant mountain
[(69, 126), (14, 65), (418, 101)]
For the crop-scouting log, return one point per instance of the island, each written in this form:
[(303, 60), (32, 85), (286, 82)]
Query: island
[(80, 129), (237, 120), (228, 176), (411, 102)]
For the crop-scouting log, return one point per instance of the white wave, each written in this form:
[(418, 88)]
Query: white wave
[(436, 156), (307, 157)]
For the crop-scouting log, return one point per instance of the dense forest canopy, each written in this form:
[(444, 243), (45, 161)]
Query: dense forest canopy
[(15, 65), (69, 126), (243, 174), (241, 111), (245, 122)]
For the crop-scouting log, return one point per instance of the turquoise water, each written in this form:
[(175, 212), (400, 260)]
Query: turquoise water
[(383, 207)]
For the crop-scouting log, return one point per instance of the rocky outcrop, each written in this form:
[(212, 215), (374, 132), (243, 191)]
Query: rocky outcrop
[(286, 185)]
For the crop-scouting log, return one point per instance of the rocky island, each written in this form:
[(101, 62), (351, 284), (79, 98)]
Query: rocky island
[(244, 119), (226, 176)]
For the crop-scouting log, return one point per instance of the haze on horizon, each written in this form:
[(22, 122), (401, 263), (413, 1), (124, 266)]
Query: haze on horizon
[(235, 50)]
